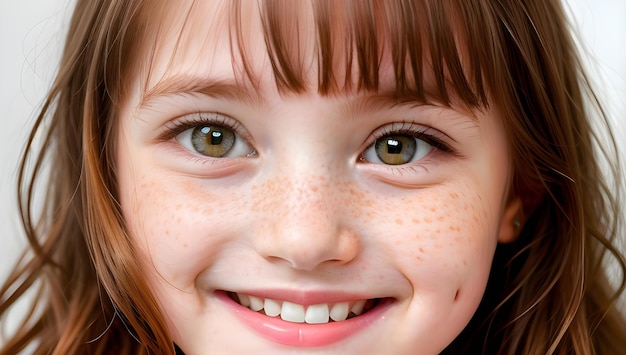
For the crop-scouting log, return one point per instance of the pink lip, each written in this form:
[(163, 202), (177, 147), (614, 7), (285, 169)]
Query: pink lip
[(305, 297), (302, 334)]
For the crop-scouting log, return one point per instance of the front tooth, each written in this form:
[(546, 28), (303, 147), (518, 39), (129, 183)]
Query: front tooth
[(292, 312), (340, 311), (256, 304), (317, 314), (244, 300), (357, 307), (272, 308)]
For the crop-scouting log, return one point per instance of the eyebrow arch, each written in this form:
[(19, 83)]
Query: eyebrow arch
[(217, 88), (390, 99)]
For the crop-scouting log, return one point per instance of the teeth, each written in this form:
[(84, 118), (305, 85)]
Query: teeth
[(256, 304), (296, 313), (340, 311), (317, 314), (292, 312), (244, 300), (272, 308), (357, 307)]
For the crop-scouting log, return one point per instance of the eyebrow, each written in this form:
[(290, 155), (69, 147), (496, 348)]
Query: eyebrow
[(217, 88), (231, 90), (390, 99)]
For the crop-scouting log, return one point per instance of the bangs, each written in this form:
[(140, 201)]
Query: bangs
[(434, 52), (425, 50)]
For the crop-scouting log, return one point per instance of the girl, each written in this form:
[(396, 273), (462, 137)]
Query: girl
[(407, 177)]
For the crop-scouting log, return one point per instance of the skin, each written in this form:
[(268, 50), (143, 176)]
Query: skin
[(304, 209)]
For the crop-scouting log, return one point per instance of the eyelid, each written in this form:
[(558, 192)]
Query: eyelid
[(179, 125), (432, 136)]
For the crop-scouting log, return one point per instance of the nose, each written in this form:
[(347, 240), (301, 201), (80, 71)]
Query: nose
[(306, 224)]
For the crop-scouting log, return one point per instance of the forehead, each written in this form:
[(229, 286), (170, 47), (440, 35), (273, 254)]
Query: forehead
[(298, 46), (190, 38)]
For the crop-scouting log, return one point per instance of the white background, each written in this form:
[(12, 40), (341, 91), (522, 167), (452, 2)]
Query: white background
[(31, 36)]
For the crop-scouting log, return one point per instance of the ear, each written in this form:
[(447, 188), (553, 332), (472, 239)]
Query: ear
[(512, 220)]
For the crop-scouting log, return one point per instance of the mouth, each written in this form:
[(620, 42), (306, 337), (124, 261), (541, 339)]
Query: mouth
[(321, 313)]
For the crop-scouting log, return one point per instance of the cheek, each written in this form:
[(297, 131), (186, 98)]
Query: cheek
[(442, 240), (444, 237), (176, 224)]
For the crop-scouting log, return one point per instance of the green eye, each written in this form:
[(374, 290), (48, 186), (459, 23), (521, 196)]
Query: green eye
[(212, 140), (396, 149)]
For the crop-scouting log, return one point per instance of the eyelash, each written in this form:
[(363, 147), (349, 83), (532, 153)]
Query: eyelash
[(429, 135), (180, 125)]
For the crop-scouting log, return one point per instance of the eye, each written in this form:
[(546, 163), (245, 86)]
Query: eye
[(396, 149), (214, 140)]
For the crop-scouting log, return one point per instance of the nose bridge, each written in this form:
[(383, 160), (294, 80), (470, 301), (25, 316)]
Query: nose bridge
[(303, 219)]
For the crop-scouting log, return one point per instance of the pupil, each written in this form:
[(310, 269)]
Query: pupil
[(216, 137), (394, 146)]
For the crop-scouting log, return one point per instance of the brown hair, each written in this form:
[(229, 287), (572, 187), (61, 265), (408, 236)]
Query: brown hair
[(548, 291)]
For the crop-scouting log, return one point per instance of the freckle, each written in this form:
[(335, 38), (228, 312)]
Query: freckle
[(356, 193), (433, 209), (178, 206), (167, 232), (416, 221), (185, 245), (428, 220), (399, 221), (421, 249), (440, 219), (438, 231)]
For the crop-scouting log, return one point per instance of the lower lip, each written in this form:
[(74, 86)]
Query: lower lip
[(302, 334)]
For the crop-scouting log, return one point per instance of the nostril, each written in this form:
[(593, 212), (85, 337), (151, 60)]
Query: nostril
[(311, 254)]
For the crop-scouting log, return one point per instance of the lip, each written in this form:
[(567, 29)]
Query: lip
[(306, 298), (302, 334)]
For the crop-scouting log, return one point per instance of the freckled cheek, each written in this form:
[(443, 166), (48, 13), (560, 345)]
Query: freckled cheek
[(438, 235), (177, 225)]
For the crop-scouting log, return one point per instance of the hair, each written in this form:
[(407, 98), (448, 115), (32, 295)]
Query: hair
[(548, 291)]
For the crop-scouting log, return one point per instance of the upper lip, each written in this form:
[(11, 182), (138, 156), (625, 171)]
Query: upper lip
[(306, 298)]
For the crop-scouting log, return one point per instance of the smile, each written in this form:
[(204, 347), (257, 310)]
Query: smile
[(312, 314), (306, 320)]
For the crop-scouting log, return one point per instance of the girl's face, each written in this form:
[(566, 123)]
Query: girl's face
[(264, 220)]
